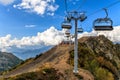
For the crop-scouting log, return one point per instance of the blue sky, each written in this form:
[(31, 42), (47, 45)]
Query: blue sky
[(36, 24), (14, 20)]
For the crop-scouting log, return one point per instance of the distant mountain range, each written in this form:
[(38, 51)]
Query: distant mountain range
[(29, 53), (8, 60)]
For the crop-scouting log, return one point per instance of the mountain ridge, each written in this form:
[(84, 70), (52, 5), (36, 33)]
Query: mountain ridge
[(97, 55), (8, 60)]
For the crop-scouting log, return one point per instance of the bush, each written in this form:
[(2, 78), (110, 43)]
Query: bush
[(94, 62), (103, 74), (44, 74), (37, 56)]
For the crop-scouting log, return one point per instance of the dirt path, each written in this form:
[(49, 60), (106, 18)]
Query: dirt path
[(61, 64)]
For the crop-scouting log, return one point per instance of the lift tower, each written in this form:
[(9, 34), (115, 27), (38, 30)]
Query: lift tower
[(74, 15)]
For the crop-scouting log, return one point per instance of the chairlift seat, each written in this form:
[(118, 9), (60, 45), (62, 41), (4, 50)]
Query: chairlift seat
[(103, 28), (80, 30), (67, 36), (67, 33), (66, 25), (103, 24)]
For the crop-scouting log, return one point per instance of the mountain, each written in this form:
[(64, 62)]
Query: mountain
[(8, 60), (28, 53), (98, 59), (100, 56)]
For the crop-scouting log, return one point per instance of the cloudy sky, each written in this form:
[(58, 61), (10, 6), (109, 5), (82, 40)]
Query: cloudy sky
[(32, 24)]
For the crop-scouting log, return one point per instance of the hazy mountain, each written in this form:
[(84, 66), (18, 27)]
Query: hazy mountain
[(99, 59), (28, 53), (8, 60)]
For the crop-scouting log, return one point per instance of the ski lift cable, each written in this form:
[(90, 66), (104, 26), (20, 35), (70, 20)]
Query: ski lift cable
[(66, 7), (104, 8), (83, 2), (112, 4)]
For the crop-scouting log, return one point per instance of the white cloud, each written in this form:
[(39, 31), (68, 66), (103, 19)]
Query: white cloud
[(112, 35), (49, 37), (51, 14), (30, 26), (38, 6), (6, 2)]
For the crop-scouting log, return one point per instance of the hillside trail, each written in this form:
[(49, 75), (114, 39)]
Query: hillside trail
[(61, 63), (57, 58)]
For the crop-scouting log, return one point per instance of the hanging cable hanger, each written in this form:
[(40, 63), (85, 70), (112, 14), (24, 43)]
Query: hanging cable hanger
[(66, 7)]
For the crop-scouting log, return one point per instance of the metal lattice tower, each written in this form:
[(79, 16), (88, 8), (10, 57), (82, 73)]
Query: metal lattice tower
[(74, 16)]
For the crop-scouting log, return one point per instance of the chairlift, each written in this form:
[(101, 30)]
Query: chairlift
[(103, 24), (82, 16), (67, 36), (67, 33), (66, 24), (80, 30)]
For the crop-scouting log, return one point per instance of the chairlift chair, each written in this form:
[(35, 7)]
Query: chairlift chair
[(67, 36), (82, 16), (67, 33), (80, 30), (66, 24), (103, 24)]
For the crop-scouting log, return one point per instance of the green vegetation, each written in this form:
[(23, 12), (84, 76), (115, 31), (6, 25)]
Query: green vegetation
[(38, 56), (103, 74), (44, 74), (101, 67)]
